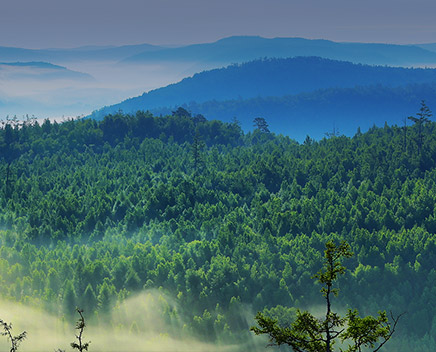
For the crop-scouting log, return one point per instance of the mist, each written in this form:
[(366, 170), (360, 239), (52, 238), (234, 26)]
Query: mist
[(136, 324), (90, 86)]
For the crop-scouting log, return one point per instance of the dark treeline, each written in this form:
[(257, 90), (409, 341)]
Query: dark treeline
[(345, 108), (294, 93), (224, 221)]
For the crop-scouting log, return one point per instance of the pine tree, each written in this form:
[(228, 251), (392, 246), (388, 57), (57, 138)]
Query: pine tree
[(261, 124), (89, 299), (197, 147), (422, 117), (69, 298)]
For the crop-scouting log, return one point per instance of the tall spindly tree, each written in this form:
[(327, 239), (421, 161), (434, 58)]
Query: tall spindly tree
[(422, 117), (80, 326), (312, 334)]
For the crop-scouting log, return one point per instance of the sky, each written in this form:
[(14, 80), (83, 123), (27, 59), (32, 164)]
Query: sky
[(73, 23)]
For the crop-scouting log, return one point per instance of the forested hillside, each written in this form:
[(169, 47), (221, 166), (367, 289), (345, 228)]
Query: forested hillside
[(294, 93), (318, 113), (225, 223), (272, 77)]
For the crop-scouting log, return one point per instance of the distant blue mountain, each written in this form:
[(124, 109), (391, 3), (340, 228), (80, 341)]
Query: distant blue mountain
[(276, 68), (428, 47), (246, 48), (235, 50), (297, 96), (275, 77), (67, 55), (39, 70), (38, 64)]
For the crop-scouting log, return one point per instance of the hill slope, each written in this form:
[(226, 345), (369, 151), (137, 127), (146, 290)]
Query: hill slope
[(94, 212), (317, 113), (285, 90)]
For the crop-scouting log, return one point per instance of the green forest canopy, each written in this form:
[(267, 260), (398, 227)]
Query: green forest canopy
[(94, 211)]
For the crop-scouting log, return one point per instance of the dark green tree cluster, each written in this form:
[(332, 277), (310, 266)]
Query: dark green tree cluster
[(95, 211)]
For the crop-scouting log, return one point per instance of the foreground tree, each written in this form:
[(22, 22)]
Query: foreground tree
[(80, 326), (311, 334), (15, 340)]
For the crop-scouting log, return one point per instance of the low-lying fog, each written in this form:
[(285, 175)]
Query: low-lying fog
[(35, 91), (135, 325)]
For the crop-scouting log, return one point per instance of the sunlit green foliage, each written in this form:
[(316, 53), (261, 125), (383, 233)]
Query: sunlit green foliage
[(104, 209), (309, 333)]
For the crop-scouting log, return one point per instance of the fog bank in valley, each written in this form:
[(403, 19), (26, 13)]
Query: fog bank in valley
[(148, 321), (43, 94)]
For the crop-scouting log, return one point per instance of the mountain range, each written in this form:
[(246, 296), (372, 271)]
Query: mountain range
[(246, 48), (298, 96), (38, 71), (234, 49), (230, 71), (105, 53)]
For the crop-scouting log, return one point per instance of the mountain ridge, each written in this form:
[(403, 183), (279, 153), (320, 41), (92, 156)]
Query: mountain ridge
[(244, 48), (277, 88), (39, 70), (232, 49), (70, 54)]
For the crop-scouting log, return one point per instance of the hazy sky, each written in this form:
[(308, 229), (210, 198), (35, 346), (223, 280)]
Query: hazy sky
[(70, 23)]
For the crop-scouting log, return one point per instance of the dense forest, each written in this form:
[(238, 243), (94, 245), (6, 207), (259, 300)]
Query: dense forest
[(224, 222)]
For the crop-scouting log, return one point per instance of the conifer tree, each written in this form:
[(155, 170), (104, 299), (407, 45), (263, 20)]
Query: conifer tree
[(69, 298), (261, 124), (312, 334), (197, 147), (422, 117), (89, 299)]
